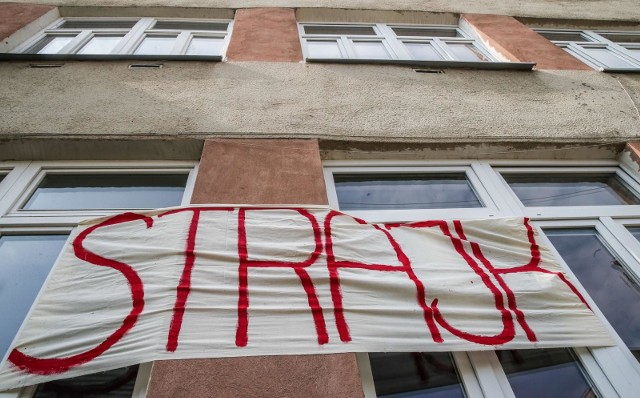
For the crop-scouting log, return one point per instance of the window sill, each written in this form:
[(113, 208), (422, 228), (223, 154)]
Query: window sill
[(619, 70), (433, 64), (107, 57)]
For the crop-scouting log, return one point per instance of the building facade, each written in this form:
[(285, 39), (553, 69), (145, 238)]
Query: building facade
[(391, 111)]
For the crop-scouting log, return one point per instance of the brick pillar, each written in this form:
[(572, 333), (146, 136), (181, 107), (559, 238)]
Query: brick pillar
[(265, 34), (14, 16), (519, 43), (259, 172)]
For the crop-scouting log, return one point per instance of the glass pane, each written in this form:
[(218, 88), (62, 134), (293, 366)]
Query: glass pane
[(466, 52), (107, 191), (25, 261), (634, 51), (622, 37), (423, 51), (100, 45), (404, 191), (339, 30), (156, 45), (370, 50), (598, 189), (415, 374), (117, 383), (635, 231), (544, 373), (323, 49), (98, 24), (607, 58), (186, 25), (615, 292), (565, 36), (427, 32), (205, 46), (50, 45)]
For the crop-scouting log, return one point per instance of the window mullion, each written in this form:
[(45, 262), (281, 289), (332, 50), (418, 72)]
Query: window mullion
[(74, 45), (467, 376), (490, 375), (441, 47), (182, 41), (131, 40), (392, 40), (593, 372)]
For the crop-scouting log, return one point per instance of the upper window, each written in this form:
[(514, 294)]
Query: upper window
[(599, 49), (386, 42), (88, 37)]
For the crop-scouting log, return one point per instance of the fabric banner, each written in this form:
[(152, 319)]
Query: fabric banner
[(212, 282)]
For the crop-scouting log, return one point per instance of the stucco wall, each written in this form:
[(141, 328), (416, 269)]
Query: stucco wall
[(381, 103), (575, 9)]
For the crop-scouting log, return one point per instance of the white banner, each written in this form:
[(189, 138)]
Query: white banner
[(210, 282)]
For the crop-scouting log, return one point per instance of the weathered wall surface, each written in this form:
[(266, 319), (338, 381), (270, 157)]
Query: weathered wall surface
[(575, 9), (364, 102)]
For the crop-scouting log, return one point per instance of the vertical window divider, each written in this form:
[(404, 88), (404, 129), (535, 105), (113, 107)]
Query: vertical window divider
[(77, 43), (366, 375), (593, 372), (490, 375), (132, 39), (182, 42), (468, 377)]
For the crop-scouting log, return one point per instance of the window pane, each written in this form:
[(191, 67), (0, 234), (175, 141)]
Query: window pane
[(544, 373), (370, 50), (427, 32), (205, 46), (415, 374), (156, 45), (107, 191), (98, 24), (615, 292), (607, 57), (622, 37), (323, 49), (100, 45), (185, 25), (117, 383), (565, 36), (599, 189), (635, 231), (50, 45), (404, 191), (422, 51), (25, 261), (466, 52), (339, 30)]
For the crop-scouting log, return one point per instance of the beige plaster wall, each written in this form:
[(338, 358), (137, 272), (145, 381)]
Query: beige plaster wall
[(575, 9), (330, 101)]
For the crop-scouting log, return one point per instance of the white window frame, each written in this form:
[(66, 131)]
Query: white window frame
[(595, 40), (394, 43), (612, 371), (132, 37), (21, 180)]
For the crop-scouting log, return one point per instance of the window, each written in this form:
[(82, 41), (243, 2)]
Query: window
[(151, 37), (437, 44), (589, 214), (599, 49), (40, 203)]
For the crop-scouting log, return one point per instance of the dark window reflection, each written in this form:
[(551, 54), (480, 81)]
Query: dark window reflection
[(25, 262), (616, 292), (404, 191), (112, 384), (571, 189), (415, 374), (544, 373), (107, 191)]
